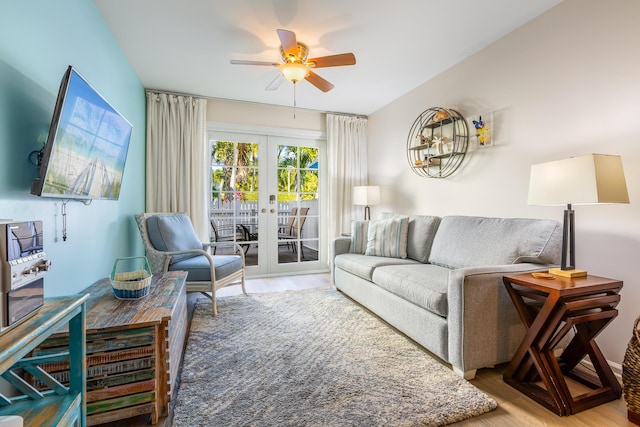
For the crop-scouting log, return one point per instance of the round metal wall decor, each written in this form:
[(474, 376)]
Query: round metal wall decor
[(437, 142)]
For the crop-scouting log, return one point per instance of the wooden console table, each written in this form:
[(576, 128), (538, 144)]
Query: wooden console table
[(134, 349), (549, 309), (53, 404)]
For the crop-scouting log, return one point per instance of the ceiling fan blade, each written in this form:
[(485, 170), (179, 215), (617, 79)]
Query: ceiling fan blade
[(318, 82), (275, 84), (241, 62), (288, 42), (332, 60)]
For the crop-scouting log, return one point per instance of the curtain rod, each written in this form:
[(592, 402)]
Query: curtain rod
[(168, 92), (360, 116)]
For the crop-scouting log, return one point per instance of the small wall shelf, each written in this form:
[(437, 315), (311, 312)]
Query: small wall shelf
[(437, 142)]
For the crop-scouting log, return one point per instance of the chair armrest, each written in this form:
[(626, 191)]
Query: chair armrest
[(237, 248), (484, 327)]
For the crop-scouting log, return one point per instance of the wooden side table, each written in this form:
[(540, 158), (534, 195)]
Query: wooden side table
[(550, 309)]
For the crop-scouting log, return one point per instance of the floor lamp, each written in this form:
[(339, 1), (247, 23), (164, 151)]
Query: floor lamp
[(584, 180), (366, 195)]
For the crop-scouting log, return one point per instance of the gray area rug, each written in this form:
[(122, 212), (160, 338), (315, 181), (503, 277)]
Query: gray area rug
[(312, 358)]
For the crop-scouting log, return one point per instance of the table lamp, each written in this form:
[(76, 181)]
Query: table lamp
[(366, 195), (584, 180)]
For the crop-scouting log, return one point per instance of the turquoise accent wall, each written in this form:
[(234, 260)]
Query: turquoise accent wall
[(38, 40)]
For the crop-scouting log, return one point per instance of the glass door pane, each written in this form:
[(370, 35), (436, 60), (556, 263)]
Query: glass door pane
[(298, 213), (234, 196)]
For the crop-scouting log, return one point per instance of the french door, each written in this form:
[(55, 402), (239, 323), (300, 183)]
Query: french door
[(267, 196)]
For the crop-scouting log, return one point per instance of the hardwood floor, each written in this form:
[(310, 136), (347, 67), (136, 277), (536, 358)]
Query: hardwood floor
[(514, 409)]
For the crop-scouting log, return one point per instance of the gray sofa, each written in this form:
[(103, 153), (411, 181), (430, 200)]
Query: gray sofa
[(447, 294)]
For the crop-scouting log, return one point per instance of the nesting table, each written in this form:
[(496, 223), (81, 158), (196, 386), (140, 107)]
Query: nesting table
[(549, 310)]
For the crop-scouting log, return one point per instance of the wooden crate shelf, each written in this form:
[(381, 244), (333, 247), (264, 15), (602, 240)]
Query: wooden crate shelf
[(134, 350)]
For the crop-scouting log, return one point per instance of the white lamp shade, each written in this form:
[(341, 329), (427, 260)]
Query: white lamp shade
[(590, 179), (366, 195)]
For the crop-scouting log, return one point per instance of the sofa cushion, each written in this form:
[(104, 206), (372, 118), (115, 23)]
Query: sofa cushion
[(420, 234), (363, 265), (422, 284), (173, 232), (388, 237), (422, 231), (466, 241)]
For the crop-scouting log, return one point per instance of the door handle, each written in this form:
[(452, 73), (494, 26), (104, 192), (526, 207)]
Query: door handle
[(263, 210), (272, 210)]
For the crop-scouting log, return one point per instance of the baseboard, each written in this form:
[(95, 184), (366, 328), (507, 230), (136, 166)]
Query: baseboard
[(615, 367), (587, 366)]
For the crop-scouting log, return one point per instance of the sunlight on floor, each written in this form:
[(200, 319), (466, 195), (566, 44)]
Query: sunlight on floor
[(278, 284)]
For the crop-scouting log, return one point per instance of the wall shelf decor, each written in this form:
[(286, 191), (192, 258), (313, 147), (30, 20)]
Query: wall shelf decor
[(483, 125), (437, 142)]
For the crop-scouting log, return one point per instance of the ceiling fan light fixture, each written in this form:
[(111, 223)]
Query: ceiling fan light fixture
[(296, 67), (294, 71)]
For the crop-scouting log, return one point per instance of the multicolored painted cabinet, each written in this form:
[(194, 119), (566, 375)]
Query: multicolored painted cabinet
[(134, 349), (54, 403)]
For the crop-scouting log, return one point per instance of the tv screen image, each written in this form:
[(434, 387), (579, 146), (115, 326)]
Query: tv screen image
[(87, 144)]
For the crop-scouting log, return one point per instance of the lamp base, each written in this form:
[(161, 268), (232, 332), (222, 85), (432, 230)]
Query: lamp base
[(568, 273)]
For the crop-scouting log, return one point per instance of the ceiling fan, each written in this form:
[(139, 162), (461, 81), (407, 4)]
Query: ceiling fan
[(296, 65)]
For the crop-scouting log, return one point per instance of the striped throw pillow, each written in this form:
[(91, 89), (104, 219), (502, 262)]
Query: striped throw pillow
[(359, 232), (388, 237)]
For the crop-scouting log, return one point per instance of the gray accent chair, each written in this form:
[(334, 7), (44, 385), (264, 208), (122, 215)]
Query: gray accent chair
[(447, 294), (171, 244)]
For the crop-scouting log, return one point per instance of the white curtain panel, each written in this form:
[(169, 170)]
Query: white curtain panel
[(178, 158), (347, 153)]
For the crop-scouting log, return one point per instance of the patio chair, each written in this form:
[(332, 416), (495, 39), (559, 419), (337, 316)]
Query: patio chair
[(296, 231), (284, 230), (223, 235), (171, 244)]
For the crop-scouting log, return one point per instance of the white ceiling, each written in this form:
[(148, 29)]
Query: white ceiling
[(185, 46)]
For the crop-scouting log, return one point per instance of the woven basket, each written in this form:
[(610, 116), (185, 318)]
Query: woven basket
[(631, 376), (131, 284)]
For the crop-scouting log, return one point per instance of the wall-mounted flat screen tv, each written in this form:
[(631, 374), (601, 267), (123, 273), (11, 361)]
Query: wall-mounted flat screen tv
[(87, 144)]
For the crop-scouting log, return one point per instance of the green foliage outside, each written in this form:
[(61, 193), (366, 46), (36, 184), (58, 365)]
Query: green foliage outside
[(234, 174)]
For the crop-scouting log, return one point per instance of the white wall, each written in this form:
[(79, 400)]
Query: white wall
[(263, 115), (565, 84)]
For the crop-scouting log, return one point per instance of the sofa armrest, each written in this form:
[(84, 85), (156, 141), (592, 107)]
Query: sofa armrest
[(484, 326), (339, 245)]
